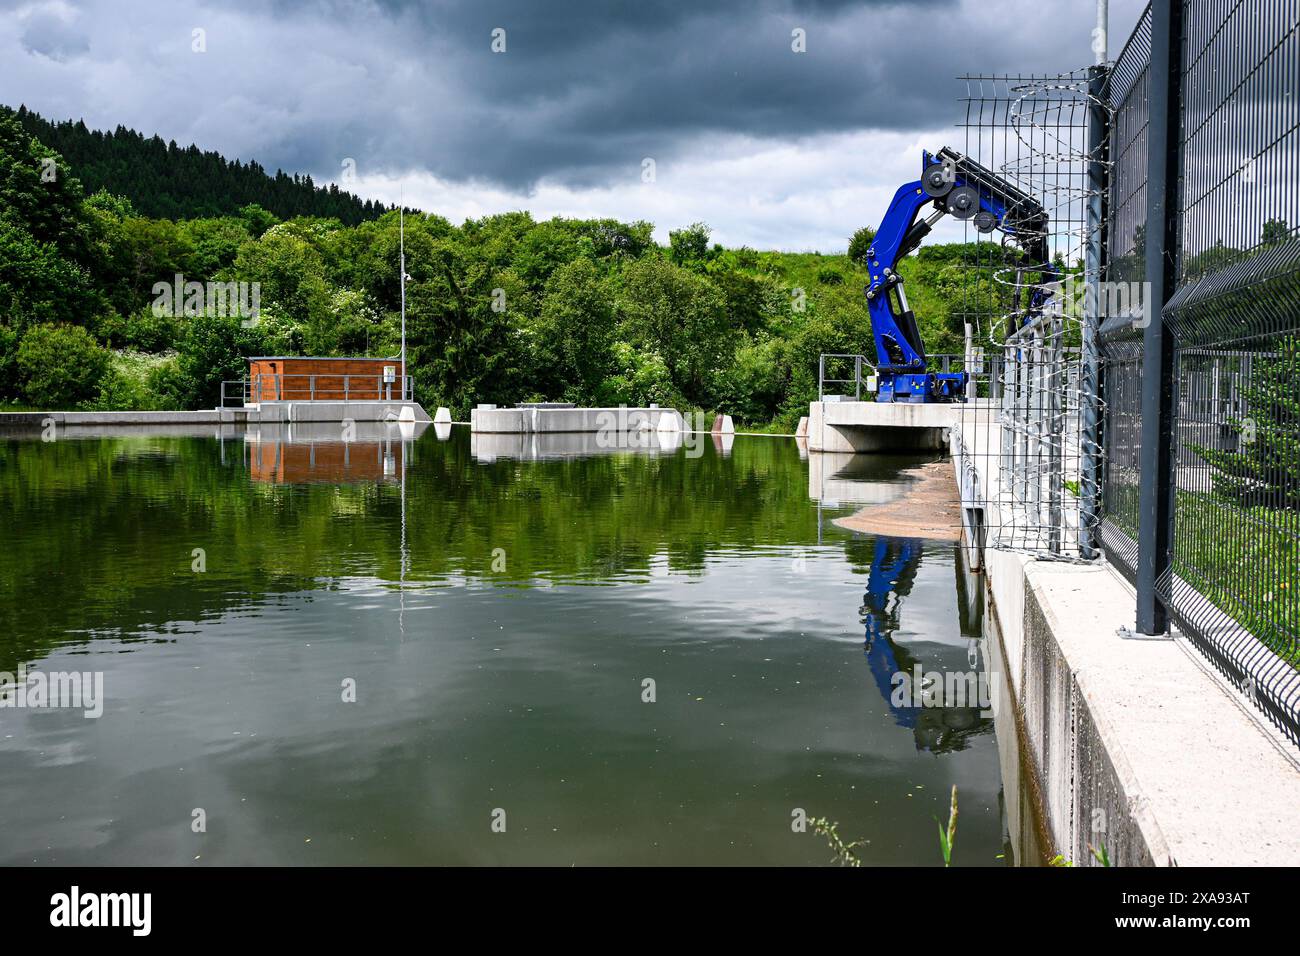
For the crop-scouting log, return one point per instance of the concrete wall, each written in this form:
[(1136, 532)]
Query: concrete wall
[(340, 411), (271, 412), (36, 420), (527, 420), (1135, 744), (879, 426)]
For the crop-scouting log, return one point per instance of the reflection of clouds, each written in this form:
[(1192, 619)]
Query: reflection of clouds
[(528, 700)]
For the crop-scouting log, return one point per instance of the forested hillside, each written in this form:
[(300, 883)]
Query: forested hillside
[(500, 309), (168, 181)]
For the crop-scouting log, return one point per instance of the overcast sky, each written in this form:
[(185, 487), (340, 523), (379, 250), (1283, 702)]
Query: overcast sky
[(773, 148)]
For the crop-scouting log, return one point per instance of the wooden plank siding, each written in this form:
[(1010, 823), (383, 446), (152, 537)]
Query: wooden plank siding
[(289, 379)]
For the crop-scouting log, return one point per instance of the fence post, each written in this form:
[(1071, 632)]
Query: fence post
[(1090, 377), (1155, 493)]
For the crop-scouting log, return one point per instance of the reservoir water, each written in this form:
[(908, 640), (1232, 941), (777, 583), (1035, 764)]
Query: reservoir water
[(445, 649)]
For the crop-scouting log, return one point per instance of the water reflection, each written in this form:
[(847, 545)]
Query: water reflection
[(943, 703), (333, 452), (485, 672), (551, 446)]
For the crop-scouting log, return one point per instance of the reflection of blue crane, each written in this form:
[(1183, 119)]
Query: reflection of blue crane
[(892, 573), (959, 186), (941, 728)]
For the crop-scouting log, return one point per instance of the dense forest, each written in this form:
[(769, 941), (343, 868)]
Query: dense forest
[(499, 309), (167, 181)]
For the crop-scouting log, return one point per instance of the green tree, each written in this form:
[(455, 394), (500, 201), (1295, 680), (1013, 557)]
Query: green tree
[(215, 244), (1275, 232), (39, 285), (215, 349), (681, 316), (543, 249), (462, 337), (60, 366), (576, 327), (860, 243), (1262, 471), (690, 246), (38, 192)]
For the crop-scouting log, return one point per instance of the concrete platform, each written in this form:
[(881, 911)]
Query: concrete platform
[(248, 414), (335, 412), (538, 419), (879, 426), (37, 420)]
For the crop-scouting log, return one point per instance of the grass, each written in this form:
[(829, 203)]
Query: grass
[(846, 853), (1243, 560)]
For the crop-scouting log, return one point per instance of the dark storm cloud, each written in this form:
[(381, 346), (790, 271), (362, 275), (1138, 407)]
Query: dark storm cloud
[(584, 91)]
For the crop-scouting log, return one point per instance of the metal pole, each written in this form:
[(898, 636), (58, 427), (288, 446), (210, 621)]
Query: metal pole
[(401, 220), (1155, 492), (1090, 378), (1100, 34)]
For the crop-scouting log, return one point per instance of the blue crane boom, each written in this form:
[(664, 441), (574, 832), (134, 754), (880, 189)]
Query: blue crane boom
[(955, 185)]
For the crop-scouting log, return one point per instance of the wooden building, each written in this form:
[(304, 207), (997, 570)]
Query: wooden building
[(298, 378)]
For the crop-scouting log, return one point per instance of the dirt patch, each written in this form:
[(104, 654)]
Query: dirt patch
[(930, 508)]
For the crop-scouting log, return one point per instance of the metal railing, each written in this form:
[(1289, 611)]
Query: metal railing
[(841, 358), (327, 387), (863, 378)]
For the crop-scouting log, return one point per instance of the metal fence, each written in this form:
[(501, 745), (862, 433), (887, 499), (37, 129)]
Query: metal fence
[(1200, 492), (1023, 447)]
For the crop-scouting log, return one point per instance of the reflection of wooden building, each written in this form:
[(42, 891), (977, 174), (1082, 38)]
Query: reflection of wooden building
[(293, 454), (295, 378)]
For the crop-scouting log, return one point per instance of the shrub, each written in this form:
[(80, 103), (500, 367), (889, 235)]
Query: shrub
[(128, 383), (148, 332), (170, 386), (8, 361), (60, 366)]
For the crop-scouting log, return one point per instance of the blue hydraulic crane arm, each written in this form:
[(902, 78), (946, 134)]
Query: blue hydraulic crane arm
[(955, 185)]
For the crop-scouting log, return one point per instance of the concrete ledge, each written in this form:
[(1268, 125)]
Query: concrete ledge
[(1137, 744), (265, 412), (207, 416)]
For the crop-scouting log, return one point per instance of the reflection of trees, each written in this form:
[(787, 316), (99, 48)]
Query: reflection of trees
[(939, 729), (100, 532)]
